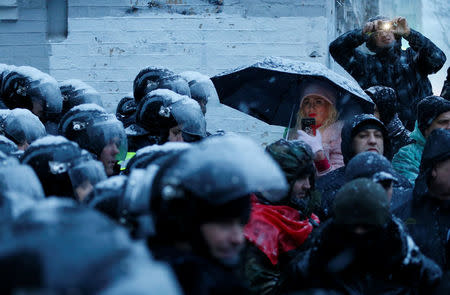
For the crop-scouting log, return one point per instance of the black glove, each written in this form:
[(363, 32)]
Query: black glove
[(386, 100)]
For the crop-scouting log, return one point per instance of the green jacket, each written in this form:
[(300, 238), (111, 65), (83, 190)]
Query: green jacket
[(407, 160)]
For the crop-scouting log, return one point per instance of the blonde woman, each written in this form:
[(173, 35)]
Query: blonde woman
[(317, 100)]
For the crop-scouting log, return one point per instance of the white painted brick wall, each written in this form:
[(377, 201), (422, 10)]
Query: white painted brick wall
[(23, 41), (108, 51)]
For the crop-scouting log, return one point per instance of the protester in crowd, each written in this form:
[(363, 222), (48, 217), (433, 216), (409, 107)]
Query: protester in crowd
[(21, 126), (317, 101), (432, 112), (386, 107), (377, 168), (406, 71), (363, 249), (363, 133), (277, 226), (427, 214), (201, 202)]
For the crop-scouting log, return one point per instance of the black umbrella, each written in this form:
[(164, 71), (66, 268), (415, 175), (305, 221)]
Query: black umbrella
[(269, 90)]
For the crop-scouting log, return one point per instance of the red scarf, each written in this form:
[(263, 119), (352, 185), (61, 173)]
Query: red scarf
[(276, 229)]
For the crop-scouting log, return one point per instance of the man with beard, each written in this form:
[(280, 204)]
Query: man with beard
[(406, 71), (278, 226)]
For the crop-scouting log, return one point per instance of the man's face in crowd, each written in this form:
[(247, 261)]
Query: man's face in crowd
[(108, 157), (175, 134), (442, 121), (301, 187), (225, 239), (369, 140), (384, 38), (440, 184)]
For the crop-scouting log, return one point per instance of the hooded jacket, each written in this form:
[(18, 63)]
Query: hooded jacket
[(328, 184), (387, 261), (407, 161), (406, 71), (428, 218)]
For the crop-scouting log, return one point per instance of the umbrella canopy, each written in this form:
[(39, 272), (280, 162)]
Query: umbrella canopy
[(270, 90)]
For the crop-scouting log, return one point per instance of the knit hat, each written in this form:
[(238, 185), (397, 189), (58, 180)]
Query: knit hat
[(369, 165), (429, 109), (361, 202), (294, 157), (318, 88)]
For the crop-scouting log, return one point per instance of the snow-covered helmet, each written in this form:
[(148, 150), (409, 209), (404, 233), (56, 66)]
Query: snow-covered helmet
[(93, 128), (126, 111), (201, 87), (75, 92), (154, 154), (163, 109), (51, 157), (22, 126), (210, 181), (147, 80), (25, 86)]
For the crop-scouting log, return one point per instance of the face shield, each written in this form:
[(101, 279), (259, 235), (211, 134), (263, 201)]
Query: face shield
[(84, 175), (190, 118), (223, 168), (23, 126), (134, 207), (105, 130), (50, 96)]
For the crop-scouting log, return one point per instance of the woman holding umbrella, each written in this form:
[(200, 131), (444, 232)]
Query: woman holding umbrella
[(318, 125)]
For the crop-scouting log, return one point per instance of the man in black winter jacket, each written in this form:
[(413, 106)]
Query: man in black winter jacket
[(406, 71), (363, 249), (427, 215), (363, 133)]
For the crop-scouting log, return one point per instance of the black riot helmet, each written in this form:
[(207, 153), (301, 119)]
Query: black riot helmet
[(52, 157), (154, 154), (106, 196), (126, 111), (28, 88), (210, 181), (75, 92), (93, 128), (201, 87), (84, 174), (147, 80), (134, 206), (22, 126), (175, 83), (163, 109)]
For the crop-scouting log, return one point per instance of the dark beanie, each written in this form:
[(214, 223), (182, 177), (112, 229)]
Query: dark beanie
[(429, 109), (361, 202)]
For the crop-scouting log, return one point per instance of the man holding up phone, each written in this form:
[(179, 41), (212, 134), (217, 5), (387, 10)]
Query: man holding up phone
[(406, 71)]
